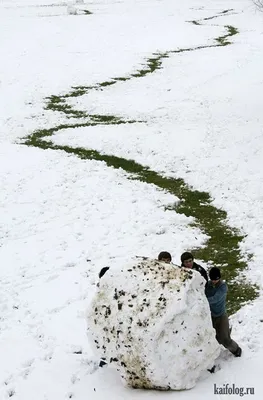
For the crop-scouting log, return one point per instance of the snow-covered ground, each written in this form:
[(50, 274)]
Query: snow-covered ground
[(62, 218)]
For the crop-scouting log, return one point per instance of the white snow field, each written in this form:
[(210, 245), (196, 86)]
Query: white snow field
[(62, 218)]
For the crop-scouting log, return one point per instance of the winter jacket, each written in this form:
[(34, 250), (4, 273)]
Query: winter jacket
[(216, 296), (200, 269)]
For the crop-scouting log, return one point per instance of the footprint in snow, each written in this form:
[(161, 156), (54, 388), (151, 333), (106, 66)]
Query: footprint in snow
[(52, 278), (48, 356), (11, 392), (28, 363), (69, 265), (8, 380)]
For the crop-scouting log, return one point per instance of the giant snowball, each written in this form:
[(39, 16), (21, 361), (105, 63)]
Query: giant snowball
[(151, 321)]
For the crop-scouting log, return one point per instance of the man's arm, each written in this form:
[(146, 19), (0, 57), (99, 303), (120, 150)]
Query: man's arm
[(204, 274), (202, 271)]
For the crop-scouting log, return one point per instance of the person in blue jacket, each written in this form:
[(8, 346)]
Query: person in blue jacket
[(216, 291)]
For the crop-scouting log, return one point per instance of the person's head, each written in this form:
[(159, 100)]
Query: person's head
[(165, 257), (214, 275), (187, 260)]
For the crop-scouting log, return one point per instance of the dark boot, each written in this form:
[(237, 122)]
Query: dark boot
[(238, 352)]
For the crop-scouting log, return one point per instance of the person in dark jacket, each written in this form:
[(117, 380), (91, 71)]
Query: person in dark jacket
[(187, 260), (216, 291)]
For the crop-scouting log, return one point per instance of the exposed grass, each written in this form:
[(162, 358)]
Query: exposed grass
[(221, 14), (223, 40), (222, 247), (35, 138), (227, 11), (58, 103)]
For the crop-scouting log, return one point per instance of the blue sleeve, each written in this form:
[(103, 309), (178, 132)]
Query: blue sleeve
[(220, 294)]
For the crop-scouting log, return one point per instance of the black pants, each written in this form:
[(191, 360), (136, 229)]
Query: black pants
[(221, 326)]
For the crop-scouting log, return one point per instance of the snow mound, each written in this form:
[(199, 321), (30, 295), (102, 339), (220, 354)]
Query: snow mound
[(152, 322)]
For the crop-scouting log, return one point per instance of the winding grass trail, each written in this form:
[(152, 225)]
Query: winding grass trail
[(222, 247)]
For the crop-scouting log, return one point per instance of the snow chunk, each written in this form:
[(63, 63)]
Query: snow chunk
[(71, 10), (152, 322)]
